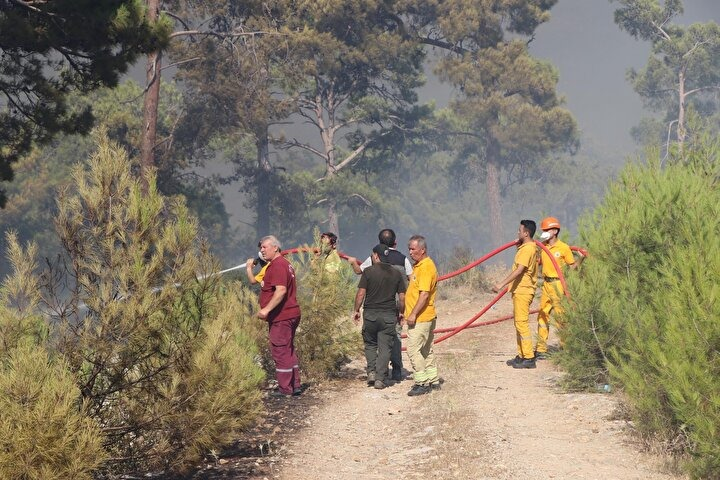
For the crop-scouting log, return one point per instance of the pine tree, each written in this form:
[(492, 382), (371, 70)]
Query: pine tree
[(644, 311), (158, 350)]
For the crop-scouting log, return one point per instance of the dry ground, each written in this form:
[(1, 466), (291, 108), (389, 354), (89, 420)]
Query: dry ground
[(489, 421)]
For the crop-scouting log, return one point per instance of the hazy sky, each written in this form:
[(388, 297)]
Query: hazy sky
[(593, 55)]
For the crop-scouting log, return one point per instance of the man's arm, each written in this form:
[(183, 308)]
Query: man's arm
[(248, 270), (355, 265), (408, 268), (401, 308), (515, 274), (359, 299), (422, 301), (577, 262), (278, 295)]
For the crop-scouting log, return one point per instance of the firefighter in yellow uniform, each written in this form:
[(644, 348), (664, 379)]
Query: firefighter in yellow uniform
[(523, 283), (552, 289)]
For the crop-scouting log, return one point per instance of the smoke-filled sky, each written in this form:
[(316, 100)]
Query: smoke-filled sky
[(592, 56)]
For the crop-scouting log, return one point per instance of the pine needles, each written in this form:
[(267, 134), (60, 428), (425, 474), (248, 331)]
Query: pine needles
[(648, 300)]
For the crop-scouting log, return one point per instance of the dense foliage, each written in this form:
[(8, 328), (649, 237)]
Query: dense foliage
[(644, 312), (40, 175), (157, 350), (326, 337), (45, 430), (50, 49)]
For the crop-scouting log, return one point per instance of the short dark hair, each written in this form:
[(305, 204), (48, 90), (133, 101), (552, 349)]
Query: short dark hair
[(331, 236), (387, 237), (529, 226)]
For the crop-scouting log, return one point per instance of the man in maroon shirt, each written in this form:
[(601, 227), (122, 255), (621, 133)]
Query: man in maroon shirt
[(279, 307)]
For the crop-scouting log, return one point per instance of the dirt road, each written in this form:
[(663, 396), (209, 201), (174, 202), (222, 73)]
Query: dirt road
[(489, 421)]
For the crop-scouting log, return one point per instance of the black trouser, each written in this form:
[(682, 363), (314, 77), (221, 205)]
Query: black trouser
[(379, 336), (396, 353)]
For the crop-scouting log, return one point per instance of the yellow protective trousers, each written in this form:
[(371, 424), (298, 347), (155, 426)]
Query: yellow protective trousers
[(521, 312), (552, 291), (420, 351)]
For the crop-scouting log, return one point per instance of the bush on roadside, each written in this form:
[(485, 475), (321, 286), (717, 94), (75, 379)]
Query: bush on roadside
[(217, 391), (645, 309), (45, 429), (326, 336), (155, 345), (474, 278)]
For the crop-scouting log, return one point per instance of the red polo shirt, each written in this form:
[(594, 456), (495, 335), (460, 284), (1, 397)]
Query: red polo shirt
[(280, 272)]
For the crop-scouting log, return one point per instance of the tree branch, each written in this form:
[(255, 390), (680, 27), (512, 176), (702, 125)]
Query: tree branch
[(296, 143), (222, 35), (709, 87), (695, 47), (181, 62), (444, 45), (353, 155)]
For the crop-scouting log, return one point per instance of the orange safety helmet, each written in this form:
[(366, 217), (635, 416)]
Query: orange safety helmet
[(549, 222)]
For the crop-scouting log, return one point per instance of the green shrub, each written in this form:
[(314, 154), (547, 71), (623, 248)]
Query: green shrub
[(217, 392), (162, 360), (45, 431), (474, 278), (645, 308), (326, 336), (20, 323)]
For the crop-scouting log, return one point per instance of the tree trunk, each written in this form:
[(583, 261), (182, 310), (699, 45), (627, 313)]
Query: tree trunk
[(333, 220), (681, 133), (327, 134), (262, 207), (152, 97), (492, 184)]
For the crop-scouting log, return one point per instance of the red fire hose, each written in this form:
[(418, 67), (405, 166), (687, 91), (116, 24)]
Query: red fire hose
[(451, 331)]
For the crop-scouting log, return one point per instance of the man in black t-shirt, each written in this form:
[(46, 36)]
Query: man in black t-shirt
[(401, 263), (380, 285)]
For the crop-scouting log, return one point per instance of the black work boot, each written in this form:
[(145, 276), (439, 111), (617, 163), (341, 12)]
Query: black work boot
[(525, 363), (419, 390), (513, 361), (371, 379)]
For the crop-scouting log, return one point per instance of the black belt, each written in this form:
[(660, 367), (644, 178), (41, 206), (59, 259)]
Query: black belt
[(551, 279)]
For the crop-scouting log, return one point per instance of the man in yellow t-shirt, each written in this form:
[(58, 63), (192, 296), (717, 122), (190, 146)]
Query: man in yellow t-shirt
[(523, 282), (552, 289), (420, 318)]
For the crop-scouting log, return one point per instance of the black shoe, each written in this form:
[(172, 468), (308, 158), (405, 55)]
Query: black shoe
[(379, 384), (419, 390), (279, 394), (512, 362), (297, 392), (397, 375), (436, 385), (525, 363), (541, 356), (371, 379)]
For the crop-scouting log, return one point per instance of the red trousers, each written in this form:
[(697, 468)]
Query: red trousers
[(282, 349)]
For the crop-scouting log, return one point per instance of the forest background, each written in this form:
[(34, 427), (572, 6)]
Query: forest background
[(444, 118), (412, 175)]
